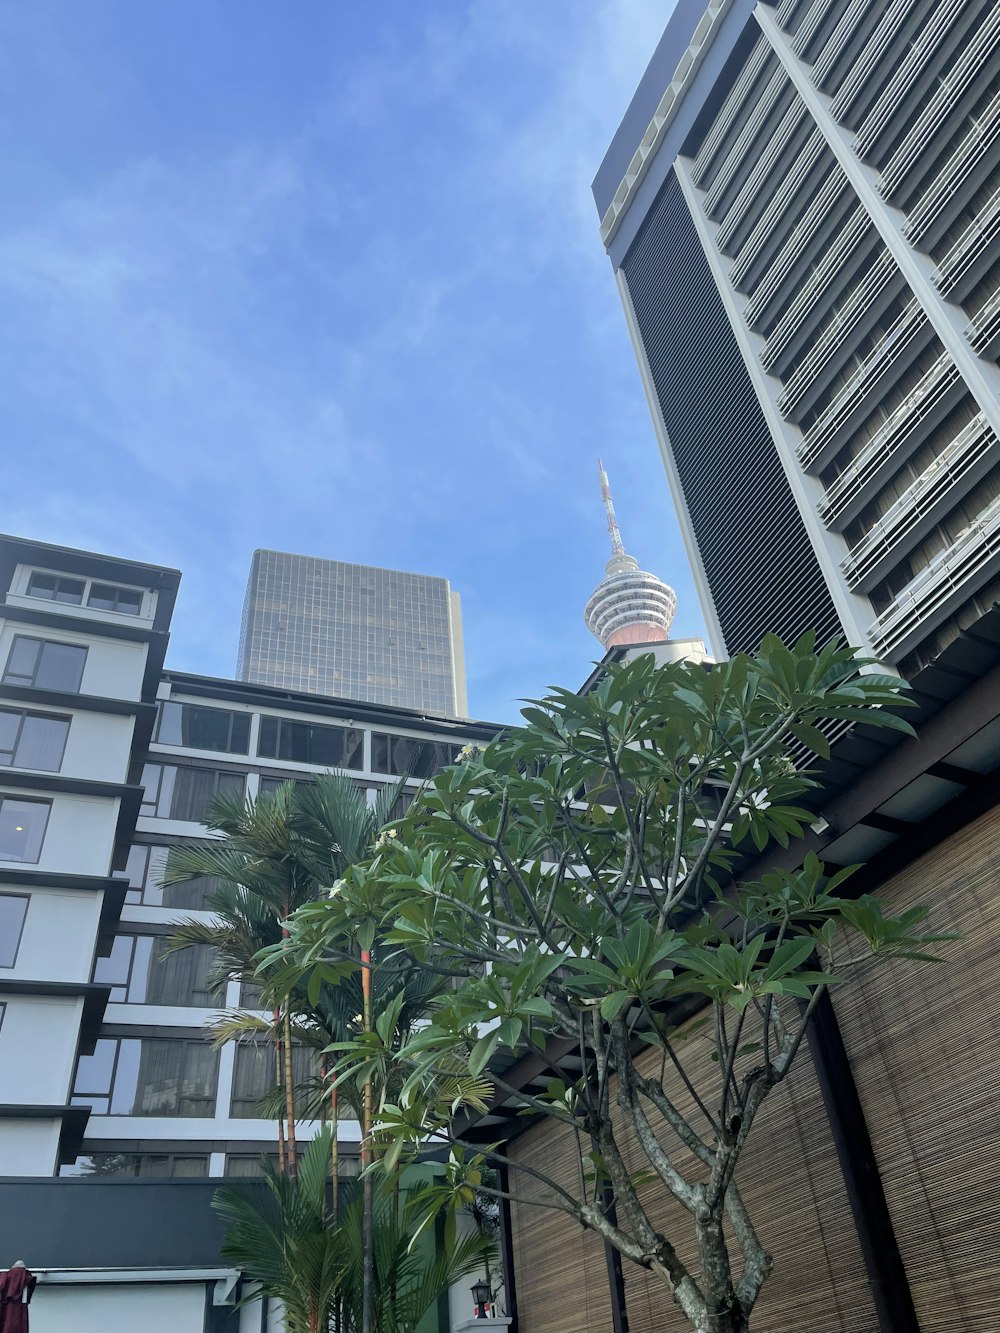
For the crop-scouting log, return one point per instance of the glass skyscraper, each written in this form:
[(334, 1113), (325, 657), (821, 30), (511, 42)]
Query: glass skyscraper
[(353, 632)]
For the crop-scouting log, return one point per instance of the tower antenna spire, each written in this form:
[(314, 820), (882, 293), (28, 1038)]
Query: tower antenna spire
[(616, 537)]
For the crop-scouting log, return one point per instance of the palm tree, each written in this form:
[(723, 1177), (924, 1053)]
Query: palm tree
[(288, 1244), (281, 1237), (270, 856)]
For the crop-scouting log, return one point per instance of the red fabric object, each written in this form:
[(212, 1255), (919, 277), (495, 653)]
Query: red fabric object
[(16, 1286)]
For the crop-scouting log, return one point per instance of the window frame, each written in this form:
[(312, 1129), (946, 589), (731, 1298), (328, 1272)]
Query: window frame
[(139, 974), (23, 682), (26, 899), (27, 800), (267, 720), (78, 1098), (158, 762), (57, 579), (24, 714), (232, 715), (116, 589)]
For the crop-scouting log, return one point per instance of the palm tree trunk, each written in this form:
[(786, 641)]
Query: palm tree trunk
[(290, 1097), (335, 1144), (277, 1084), (368, 1243)]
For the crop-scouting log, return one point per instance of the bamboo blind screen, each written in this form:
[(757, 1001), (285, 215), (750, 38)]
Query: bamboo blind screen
[(792, 1185), (793, 1189), (560, 1269), (922, 1040)]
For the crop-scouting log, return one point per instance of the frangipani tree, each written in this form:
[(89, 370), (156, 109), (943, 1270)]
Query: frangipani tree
[(575, 878)]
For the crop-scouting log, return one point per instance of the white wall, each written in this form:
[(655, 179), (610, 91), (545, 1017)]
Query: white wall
[(79, 836), (28, 1148), (57, 942), (38, 1039), (114, 667), (117, 1307), (97, 746)]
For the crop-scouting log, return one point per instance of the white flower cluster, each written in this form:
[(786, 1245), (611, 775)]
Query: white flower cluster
[(387, 837), (470, 751), (335, 888)]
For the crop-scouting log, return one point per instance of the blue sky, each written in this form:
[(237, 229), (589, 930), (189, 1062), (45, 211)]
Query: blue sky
[(325, 276)]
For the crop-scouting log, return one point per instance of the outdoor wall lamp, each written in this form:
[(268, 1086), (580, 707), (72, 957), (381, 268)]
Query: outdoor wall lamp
[(481, 1295)]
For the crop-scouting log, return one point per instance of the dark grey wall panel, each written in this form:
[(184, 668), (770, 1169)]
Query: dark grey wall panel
[(110, 1223), (760, 564)]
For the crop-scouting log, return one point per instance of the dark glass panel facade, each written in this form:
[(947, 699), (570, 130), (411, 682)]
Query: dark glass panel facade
[(200, 728), (760, 565), (309, 743), (409, 756)]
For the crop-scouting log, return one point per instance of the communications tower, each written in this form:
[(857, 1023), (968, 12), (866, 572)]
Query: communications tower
[(628, 605)]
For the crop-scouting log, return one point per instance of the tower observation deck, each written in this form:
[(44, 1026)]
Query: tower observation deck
[(628, 605)]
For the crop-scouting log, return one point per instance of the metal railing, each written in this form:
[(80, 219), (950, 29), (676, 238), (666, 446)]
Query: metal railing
[(871, 57), (960, 262), (930, 490), (730, 109), (980, 52), (813, 290), (888, 103), (895, 439), (882, 274), (943, 584), (752, 186), (798, 240), (799, 172), (952, 179)]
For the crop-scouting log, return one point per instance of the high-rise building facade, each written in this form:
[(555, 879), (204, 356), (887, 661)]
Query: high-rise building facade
[(353, 632), (802, 209), (118, 1116)]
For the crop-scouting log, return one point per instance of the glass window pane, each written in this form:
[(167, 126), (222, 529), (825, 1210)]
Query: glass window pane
[(114, 970), (380, 753), (42, 742), (123, 1093), (60, 667), (267, 743), (203, 728), (110, 597), (13, 910), (20, 668), (56, 588), (168, 730), (22, 828), (95, 1072), (10, 727), (180, 978)]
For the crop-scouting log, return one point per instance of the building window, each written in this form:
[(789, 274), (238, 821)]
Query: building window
[(246, 1166), (139, 1165), (45, 664), (22, 828), (145, 869), (110, 597), (203, 728), (148, 1076), (309, 743), (56, 588), (408, 755), (32, 740), (254, 1076), (13, 910), (140, 972), (177, 792)]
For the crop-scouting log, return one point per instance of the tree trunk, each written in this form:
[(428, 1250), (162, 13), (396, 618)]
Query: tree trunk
[(277, 1084), (293, 1167), (368, 1289)]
